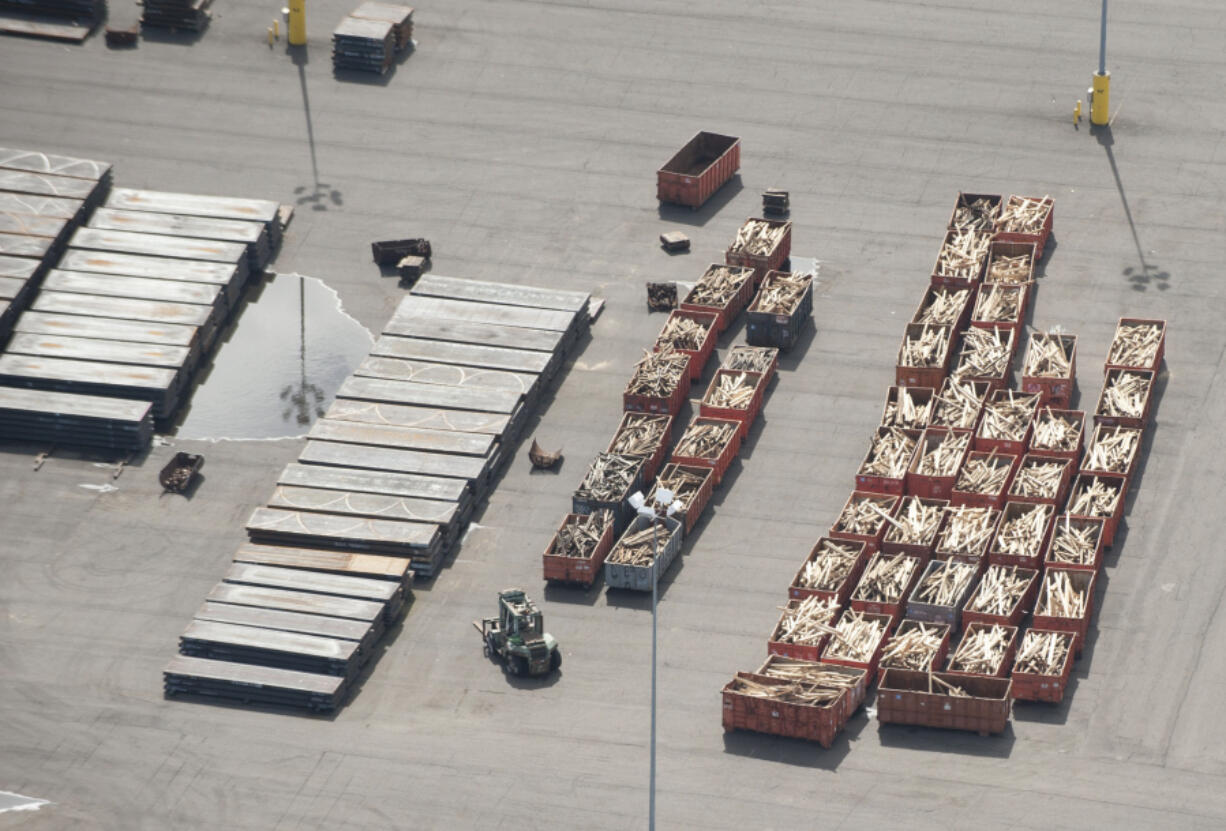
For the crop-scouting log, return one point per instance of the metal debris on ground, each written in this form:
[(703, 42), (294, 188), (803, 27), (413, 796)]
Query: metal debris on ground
[(945, 583), (827, 570), (1074, 544), (962, 254), (1009, 416), (658, 373), (856, 637), (609, 477), (913, 648), (944, 306), (864, 515), (1125, 395), (1022, 533), (967, 530), (640, 435), (999, 591), (979, 215), (957, 405), (982, 650), (1059, 597), (1112, 449), (1049, 355), (904, 412), (886, 578), (1094, 497), (1055, 432), (983, 474), (580, 535), (751, 358), (1135, 344), (986, 353), (1000, 303), (732, 392), (781, 293), (684, 333), (704, 440), (1024, 215), (638, 548), (661, 296), (758, 237), (806, 622), (928, 349), (916, 522), (1039, 479), (1043, 653), (890, 454)]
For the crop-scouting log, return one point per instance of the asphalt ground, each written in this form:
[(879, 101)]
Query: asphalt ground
[(522, 139)]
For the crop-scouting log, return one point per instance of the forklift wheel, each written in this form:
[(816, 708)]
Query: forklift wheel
[(518, 665), (555, 660)]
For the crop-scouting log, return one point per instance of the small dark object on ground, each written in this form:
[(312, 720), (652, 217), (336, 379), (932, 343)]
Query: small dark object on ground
[(543, 459), (122, 37), (410, 268), (178, 473), (661, 297), (775, 201), (674, 241), (391, 251)]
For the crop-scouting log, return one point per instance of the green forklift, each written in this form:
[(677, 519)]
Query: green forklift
[(517, 637)]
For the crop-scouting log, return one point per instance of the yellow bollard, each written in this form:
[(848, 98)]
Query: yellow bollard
[(1077, 113), (270, 36), (297, 23), (276, 29), (1100, 102)]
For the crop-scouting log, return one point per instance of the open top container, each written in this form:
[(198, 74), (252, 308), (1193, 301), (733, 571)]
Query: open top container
[(1053, 383), (691, 486), (912, 531), (985, 606), (961, 578), (1076, 543), (782, 715), (1152, 334), (959, 404), (956, 664), (645, 435), (722, 290), (1012, 547), (929, 645), (929, 368), (763, 359), (866, 598), (1050, 438), (641, 396), (908, 408), (1041, 479), (620, 573), (938, 459), (753, 256), (1099, 495), (1081, 581), (860, 519), (1113, 409), (943, 306), (1010, 263), (700, 354), (771, 324), (1001, 305), (884, 468), (986, 355), (831, 570), (582, 571), (590, 497), (1002, 434), (699, 169), (922, 698), (805, 645), (961, 259), (973, 492), (717, 458), (1036, 230), (838, 651), (1113, 450), (966, 534), (1042, 686), (720, 399), (975, 212)]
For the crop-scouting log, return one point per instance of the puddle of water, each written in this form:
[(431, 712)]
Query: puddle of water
[(291, 349)]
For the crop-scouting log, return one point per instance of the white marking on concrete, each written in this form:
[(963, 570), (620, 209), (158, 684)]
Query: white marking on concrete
[(16, 802)]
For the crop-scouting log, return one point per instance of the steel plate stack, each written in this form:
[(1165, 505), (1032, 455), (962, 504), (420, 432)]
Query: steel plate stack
[(75, 9), (401, 18), (365, 45), (192, 15), (58, 418)]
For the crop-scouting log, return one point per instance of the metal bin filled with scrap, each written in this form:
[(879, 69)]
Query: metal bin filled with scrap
[(691, 487), (1137, 344), (831, 570), (761, 244), (1042, 666), (942, 306), (804, 628), (762, 359), (1001, 306), (1099, 495), (914, 527), (645, 436), (938, 699), (916, 645), (987, 356), (1076, 543), (1059, 433), (797, 699), (924, 356), (1126, 398), (690, 333), (908, 408), (1026, 219), (779, 310), (940, 594), (1050, 368), (986, 649), (1008, 419), (966, 534), (959, 404), (722, 290), (659, 383), (885, 465), (709, 442), (857, 641), (1066, 603), (578, 549), (984, 480), (885, 584), (1005, 595), (607, 485), (1113, 450), (1022, 535), (734, 395), (939, 457), (961, 259), (864, 518), (1041, 479), (633, 563)]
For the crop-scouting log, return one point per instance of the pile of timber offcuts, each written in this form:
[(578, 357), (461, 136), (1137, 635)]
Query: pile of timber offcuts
[(829, 567), (1074, 544), (902, 410), (1094, 497), (926, 349), (1124, 394), (1022, 534), (999, 303), (985, 353), (957, 405), (806, 622), (683, 484), (1000, 590), (967, 530), (659, 373), (734, 392), (916, 523), (1049, 355), (1039, 479), (719, 285), (962, 254), (1135, 344), (945, 583), (1112, 449), (979, 215), (1005, 268), (1059, 597), (886, 578), (1043, 653), (1055, 432), (1008, 417), (864, 515), (982, 650), (704, 440), (581, 533), (684, 333), (757, 236), (943, 459), (781, 293), (609, 478), (856, 637), (890, 454), (983, 474), (751, 358), (811, 683), (943, 306), (913, 645), (1024, 215), (640, 435), (638, 548)]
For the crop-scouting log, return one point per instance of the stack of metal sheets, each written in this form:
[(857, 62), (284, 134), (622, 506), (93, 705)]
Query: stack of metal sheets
[(192, 15), (253, 235), (401, 18), (81, 420), (75, 9), (214, 207), (363, 44)]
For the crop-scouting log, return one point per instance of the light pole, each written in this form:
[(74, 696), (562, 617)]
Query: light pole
[(1100, 84), (666, 503)]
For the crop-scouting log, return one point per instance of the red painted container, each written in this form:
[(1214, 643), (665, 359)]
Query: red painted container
[(892, 543), (670, 404), (1070, 451), (937, 659), (1025, 512), (1090, 464), (1006, 661), (924, 376), (1053, 391), (727, 311), (886, 482), (811, 722), (1152, 365), (1029, 686), (921, 400), (947, 279), (959, 418), (1003, 248), (987, 438), (965, 551), (699, 356), (651, 462), (931, 485), (839, 592), (577, 570), (976, 612), (872, 540), (742, 358), (745, 415), (1083, 581), (1005, 336), (1039, 237), (700, 499), (960, 314), (890, 607), (906, 697), (698, 169), (1115, 482), (719, 462), (762, 263), (1066, 524), (960, 496), (808, 650), (967, 199), (833, 652), (1139, 421), (1034, 460), (1018, 295)]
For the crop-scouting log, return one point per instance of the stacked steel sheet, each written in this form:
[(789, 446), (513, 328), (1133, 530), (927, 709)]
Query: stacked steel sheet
[(76, 9), (401, 18), (363, 44), (253, 235), (57, 418), (192, 15)]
